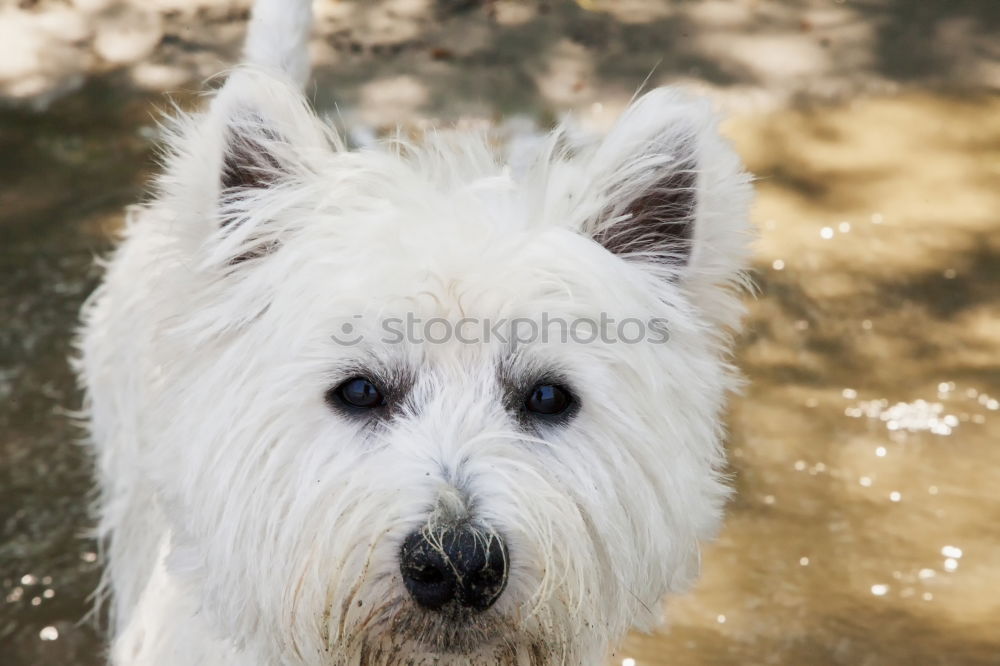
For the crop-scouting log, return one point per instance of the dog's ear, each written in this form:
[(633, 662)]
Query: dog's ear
[(649, 187), (268, 133), (234, 169), (663, 188), (252, 155), (257, 134)]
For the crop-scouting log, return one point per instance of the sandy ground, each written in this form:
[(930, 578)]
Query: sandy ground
[(865, 525), (864, 530), (396, 59)]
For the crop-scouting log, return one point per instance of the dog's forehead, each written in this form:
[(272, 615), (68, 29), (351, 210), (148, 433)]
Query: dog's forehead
[(454, 263), (523, 306)]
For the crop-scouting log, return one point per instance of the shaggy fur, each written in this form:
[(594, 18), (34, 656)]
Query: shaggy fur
[(248, 523)]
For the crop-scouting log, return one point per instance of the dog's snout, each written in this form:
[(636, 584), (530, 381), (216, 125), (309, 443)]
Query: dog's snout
[(457, 564)]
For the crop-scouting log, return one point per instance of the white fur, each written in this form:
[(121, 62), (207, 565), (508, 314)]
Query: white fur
[(247, 523), (278, 37)]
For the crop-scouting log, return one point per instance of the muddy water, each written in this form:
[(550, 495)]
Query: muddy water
[(866, 450)]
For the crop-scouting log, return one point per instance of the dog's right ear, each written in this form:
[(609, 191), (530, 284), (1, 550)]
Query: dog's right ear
[(231, 166), (251, 155), (268, 135)]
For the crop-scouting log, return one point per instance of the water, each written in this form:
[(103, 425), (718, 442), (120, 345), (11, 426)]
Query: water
[(865, 450), (64, 182), (866, 527)]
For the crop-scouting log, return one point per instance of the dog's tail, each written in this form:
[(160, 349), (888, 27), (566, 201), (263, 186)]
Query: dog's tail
[(278, 37)]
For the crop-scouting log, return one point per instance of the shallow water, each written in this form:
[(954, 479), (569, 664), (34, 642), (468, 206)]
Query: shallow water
[(866, 527), (64, 182), (865, 450)]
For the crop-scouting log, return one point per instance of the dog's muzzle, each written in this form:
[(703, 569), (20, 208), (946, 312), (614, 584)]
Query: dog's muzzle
[(457, 565)]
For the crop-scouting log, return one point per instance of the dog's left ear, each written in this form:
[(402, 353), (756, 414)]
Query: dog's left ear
[(664, 189)]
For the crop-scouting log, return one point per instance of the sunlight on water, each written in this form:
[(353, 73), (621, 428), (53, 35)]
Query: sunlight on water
[(914, 416), (865, 447)]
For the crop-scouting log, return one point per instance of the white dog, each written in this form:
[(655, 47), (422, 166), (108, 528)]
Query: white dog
[(283, 483)]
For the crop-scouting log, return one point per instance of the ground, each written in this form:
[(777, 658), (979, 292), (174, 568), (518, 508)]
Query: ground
[(865, 528)]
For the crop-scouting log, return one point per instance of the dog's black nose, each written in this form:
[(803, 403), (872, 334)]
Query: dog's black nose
[(458, 563)]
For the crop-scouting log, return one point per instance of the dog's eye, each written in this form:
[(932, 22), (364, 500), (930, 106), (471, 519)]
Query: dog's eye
[(359, 393), (548, 400)]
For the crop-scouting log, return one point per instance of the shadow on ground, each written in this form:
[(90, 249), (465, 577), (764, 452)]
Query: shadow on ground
[(875, 327)]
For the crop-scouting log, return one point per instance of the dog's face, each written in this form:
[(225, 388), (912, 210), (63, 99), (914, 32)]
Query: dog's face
[(419, 409)]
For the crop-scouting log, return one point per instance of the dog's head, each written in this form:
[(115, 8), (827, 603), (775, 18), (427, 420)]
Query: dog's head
[(421, 409)]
